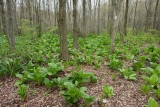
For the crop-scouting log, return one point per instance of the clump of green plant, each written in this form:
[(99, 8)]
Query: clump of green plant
[(54, 68), (129, 56), (80, 60), (38, 75), (154, 70), (157, 92), (48, 83), (108, 91), (135, 50), (128, 73), (88, 60), (145, 88), (153, 80), (114, 76), (96, 65), (81, 77), (73, 94), (115, 63), (10, 67), (22, 91), (60, 82), (153, 56), (151, 48), (152, 102), (23, 78), (137, 65)]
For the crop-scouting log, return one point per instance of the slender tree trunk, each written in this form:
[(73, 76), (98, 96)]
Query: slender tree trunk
[(117, 11), (3, 17), (84, 18), (126, 18), (155, 15), (98, 17), (29, 12), (135, 14), (64, 55), (149, 15), (111, 16), (1, 24), (15, 17), (90, 15), (75, 37), (94, 28), (121, 32), (11, 30)]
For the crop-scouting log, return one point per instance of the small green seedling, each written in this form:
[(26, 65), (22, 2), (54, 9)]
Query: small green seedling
[(22, 91), (157, 92), (108, 91), (114, 76), (152, 102), (145, 88), (153, 80)]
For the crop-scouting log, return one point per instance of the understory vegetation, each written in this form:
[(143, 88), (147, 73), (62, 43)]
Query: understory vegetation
[(35, 61)]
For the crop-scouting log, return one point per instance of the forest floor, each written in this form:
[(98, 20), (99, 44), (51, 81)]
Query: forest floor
[(43, 51), (128, 93)]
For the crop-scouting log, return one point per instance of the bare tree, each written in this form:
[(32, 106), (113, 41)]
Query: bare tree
[(135, 14), (117, 12), (90, 15), (149, 14), (29, 11), (155, 15), (64, 55), (75, 37), (126, 18), (84, 18), (2, 12), (10, 25), (99, 16)]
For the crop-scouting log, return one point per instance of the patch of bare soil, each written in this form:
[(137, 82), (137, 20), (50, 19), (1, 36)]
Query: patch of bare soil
[(128, 93)]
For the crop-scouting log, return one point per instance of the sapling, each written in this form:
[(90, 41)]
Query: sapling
[(108, 90), (22, 91), (145, 88)]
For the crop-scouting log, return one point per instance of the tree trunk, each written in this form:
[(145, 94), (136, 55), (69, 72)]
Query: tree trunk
[(111, 16), (98, 17), (149, 14), (121, 32), (39, 29), (29, 12), (75, 37), (126, 18), (135, 14), (117, 11), (11, 30), (90, 15), (84, 18), (155, 15), (64, 55), (3, 17)]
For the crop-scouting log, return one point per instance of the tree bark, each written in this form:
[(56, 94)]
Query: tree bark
[(135, 14), (84, 18), (11, 30), (117, 11), (75, 37), (155, 15), (126, 18), (64, 55), (149, 15), (90, 15), (98, 31), (3, 17)]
